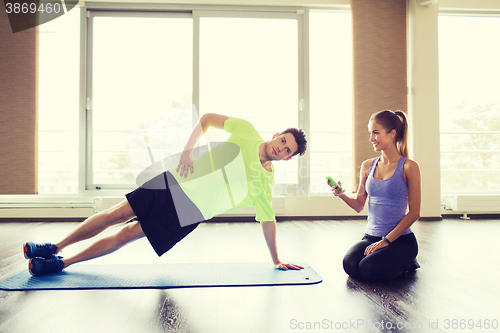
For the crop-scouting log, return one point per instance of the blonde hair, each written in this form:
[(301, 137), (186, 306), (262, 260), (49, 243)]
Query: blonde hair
[(394, 121)]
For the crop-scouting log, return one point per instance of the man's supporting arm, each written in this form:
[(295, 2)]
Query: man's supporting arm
[(269, 229)]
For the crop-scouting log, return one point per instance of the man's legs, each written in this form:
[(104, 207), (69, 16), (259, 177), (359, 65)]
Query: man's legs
[(89, 228), (107, 245), (95, 224)]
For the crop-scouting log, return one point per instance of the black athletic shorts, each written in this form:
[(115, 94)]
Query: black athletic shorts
[(155, 210)]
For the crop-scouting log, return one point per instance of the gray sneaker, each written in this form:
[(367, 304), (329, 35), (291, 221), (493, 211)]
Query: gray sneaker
[(33, 250), (39, 266)]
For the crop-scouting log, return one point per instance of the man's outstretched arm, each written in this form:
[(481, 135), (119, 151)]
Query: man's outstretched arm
[(206, 121), (269, 229)]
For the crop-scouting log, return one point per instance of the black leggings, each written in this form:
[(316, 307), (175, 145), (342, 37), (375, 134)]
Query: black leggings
[(384, 264)]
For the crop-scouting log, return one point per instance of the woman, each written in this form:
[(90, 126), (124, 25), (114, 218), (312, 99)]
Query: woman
[(392, 182)]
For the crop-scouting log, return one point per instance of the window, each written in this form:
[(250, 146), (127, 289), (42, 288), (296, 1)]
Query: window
[(331, 99), (249, 69), (469, 103), (142, 67), (58, 104)]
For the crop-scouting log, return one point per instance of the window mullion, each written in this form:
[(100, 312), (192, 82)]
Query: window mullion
[(303, 49), (196, 63)]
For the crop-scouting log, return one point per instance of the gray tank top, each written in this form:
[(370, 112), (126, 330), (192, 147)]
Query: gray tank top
[(388, 200)]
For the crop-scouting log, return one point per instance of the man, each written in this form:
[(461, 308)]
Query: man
[(171, 205)]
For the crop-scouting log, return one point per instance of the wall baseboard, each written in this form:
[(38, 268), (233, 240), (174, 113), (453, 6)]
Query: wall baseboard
[(217, 219), (223, 219)]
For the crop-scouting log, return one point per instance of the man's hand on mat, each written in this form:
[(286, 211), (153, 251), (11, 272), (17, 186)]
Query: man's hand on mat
[(185, 164), (285, 266), (374, 247)]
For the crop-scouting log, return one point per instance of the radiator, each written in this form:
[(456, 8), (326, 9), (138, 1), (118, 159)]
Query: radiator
[(472, 203), (95, 204)]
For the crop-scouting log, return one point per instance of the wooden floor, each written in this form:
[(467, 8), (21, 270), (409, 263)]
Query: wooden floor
[(457, 286)]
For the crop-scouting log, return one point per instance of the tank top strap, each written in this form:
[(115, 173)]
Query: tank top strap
[(372, 166), (400, 168), (401, 163)]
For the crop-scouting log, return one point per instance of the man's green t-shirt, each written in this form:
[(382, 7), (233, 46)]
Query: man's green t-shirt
[(230, 176)]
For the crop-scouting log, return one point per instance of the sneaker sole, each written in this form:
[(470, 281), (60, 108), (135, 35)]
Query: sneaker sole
[(30, 267), (25, 250)]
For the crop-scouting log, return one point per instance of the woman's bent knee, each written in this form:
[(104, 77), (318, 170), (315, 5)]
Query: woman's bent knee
[(368, 270), (350, 265)]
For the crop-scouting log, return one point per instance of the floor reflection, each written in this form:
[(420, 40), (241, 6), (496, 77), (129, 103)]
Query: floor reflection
[(394, 303), (171, 316)]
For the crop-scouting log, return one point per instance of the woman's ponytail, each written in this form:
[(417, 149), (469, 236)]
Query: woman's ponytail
[(402, 141)]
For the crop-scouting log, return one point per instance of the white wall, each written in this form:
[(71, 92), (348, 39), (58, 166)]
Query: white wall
[(423, 102)]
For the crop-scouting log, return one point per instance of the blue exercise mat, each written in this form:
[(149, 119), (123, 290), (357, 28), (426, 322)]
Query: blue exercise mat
[(163, 276)]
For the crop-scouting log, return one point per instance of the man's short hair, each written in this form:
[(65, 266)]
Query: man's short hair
[(300, 138)]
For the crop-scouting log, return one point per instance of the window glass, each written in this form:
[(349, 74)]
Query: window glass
[(142, 68), (249, 70), (469, 103), (330, 55), (58, 104)]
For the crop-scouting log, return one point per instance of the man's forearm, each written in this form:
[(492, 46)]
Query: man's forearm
[(206, 121), (269, 229), (196, 134)]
